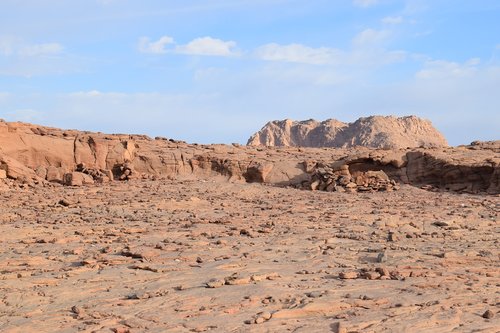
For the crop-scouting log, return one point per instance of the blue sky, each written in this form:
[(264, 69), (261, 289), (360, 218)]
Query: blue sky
[(217, 71)]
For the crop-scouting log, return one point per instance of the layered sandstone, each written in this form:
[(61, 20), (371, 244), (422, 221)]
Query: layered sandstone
[(36, 153), (375, 131)]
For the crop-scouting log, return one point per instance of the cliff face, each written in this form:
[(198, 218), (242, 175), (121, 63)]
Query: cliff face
[(376, 132), (40, 155)]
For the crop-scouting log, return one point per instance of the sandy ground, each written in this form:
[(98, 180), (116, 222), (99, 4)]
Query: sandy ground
[(195, 256)]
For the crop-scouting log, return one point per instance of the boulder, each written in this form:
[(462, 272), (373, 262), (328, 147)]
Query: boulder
[(15, 169), (77, 179), (55, 174)]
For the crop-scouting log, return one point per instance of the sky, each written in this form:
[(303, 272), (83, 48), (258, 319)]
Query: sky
[(215, 71)]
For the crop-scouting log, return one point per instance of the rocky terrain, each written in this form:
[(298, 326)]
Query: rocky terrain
[(125, 233), (376, 131)]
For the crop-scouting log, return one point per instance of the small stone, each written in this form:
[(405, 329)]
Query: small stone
[(266, 315), (314, 185), (392, 237), (488, 314), (77, 310), (259, 320), (382, 257), (371, 275), (348, 275), (338, 328), (120, 330), (235, 280), (245, 232), (89, 262), (215, 283), (440, 224), (65, 202), (383, 271), (351, 185), (314, 294)]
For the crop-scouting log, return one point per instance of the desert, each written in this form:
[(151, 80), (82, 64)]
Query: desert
[(126, 233), (261, 166)]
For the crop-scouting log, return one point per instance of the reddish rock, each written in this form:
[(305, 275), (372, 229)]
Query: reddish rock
[(77, 179)]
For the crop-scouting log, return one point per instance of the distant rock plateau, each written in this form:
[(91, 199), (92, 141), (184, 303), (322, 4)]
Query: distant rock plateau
[(385, 132)]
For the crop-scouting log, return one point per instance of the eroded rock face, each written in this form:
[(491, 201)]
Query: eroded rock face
[(30, 152), (376, 131)]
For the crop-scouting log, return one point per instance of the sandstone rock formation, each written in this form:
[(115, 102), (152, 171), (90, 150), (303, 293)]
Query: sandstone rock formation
[(376, 131), (40, 154)]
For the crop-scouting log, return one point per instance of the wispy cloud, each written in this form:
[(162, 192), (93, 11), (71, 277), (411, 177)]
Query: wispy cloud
[(40, 49), (369, 37), (297, 53), (203, 46), (440, 69), (393, 20), (145, 45), (19, 57), (368, 50), (12, 46), (365, 3)]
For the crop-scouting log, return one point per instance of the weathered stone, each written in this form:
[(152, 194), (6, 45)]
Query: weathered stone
[(488, 314), (55, 174), (77, 179), (215, 283), (349, 275)]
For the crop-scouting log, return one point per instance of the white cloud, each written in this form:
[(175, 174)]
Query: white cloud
[(205, 46), (90, 93), (393, 20), (40, 50), (158, 47), (298, 53), (365, 3), (11, 46), (440, 69), (19, 57), (369, 37), (208, 46)]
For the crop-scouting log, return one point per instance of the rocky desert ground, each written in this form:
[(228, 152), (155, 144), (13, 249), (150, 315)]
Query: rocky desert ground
[(122, 233)]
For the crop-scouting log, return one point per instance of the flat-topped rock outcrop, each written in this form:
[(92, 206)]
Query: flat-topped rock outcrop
[(375, 131)]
